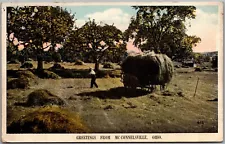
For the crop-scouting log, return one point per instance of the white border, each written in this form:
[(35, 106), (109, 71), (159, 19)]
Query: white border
[(166, 137)]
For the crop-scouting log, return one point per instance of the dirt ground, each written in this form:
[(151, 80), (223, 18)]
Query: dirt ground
[(111, 108)]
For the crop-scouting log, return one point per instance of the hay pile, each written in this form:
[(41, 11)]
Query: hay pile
[(43, 97), (24, 80), (57, 66), (48, 74), (149, 68), (79, 62), (25, 73), (48, 120), (108, 65), (20, 83), (27, 65)]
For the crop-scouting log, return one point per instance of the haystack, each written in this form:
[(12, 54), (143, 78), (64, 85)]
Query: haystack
[(108, 65), (57, 66), (21, 83), (79, 62), (149, 68), (49, 120), (25, 73), (43, 97), (48, 74)]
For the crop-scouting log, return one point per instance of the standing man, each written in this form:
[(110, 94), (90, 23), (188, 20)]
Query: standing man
[(93, 78)]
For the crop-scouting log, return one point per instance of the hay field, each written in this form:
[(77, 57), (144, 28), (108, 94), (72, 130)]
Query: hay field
[(111, 108)]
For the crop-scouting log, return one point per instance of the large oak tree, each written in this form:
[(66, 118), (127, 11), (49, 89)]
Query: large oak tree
[(96, 41), (36, 25), (163, 30)]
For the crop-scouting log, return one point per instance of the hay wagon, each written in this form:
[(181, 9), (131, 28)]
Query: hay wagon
[(131, 81), (147, 70)]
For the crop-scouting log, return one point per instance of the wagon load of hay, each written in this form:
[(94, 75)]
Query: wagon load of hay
[(149, 68)]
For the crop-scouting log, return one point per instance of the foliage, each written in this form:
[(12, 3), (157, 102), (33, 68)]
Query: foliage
[(57, 57), (95, 41), (36, 25), (162, 29)]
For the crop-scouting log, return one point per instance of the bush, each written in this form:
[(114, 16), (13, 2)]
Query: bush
[(43, 97), (21, 83), (79, 62), (27, 65), (48, 120), (108, 65), (48, 74)]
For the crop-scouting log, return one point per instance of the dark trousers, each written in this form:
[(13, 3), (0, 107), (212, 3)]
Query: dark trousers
[(93, 78)]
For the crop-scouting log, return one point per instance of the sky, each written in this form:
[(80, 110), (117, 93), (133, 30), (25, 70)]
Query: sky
[(205, 25)]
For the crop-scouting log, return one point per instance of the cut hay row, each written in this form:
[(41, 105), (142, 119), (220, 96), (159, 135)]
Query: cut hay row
[(149, 68)]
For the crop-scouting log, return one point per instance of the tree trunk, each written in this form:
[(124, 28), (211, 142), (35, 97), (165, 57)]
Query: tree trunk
[(40, 63), (40, 60), (96, 65)]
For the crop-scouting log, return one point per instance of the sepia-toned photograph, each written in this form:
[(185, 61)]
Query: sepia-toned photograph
[(112, 72)]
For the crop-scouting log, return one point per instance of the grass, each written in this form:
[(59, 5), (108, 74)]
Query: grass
[(110, 108)]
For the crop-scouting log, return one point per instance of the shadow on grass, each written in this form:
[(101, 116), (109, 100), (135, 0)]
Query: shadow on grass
[(116, 93), (213, 100)]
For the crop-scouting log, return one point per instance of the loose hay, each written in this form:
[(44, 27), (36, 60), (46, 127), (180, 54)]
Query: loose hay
[(79, 62), (149, 68), (43, 97), (48, 120), (25, 73), (21, 83), (48, 74), (108, 65)]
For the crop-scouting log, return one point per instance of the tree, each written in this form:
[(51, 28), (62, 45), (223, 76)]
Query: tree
[(36, 25), (162, 29), (96, 40)]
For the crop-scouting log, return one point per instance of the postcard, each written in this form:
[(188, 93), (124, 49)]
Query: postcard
[(112, 72)]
